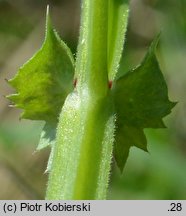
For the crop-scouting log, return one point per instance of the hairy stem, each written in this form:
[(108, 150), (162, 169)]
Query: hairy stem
[(82, 155)]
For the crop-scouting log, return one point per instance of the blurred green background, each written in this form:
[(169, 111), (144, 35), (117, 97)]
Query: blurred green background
[(161, 174)]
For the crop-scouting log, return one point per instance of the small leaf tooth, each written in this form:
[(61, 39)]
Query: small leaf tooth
[(173, 104), (144, 148), (121, 161), (4, 96), (122, 165), (12, 105), (147, 150), (9, 97), (155, 42), (163, 125), (9, 81), (6, 80)]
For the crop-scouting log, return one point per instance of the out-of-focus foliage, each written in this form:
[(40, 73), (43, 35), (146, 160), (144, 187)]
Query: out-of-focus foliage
[(158, 175)]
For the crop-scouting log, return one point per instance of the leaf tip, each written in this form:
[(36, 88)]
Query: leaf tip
[(146, 150), (48, 14), (120, 165), (121, 169), (155, 43), (6, 80), (48, 21), (173, 104), (11, 98), (121, 159), (9, 81), (47, 10)]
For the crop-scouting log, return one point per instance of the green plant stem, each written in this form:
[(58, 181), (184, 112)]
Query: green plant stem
[(91, 64), (83, 150), (117, 26)]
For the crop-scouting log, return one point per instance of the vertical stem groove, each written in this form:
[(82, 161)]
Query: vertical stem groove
[(83, 150)]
